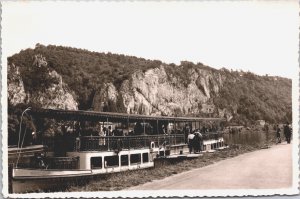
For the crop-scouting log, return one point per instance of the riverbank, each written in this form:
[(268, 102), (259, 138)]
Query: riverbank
[(262, 169), (125, 180)]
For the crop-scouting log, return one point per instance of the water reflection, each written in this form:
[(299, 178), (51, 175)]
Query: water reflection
[(249, 137)]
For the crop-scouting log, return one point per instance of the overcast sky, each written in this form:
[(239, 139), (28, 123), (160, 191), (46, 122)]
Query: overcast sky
[(259, 36)]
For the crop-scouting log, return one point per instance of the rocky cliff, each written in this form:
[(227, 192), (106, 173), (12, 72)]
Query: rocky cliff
[(154, 92), (15, 87), (56, 95)]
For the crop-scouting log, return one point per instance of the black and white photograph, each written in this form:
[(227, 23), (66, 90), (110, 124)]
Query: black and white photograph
[(149, 98)]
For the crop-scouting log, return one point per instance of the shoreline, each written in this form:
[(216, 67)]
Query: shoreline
[(129, 179), (253, 170)]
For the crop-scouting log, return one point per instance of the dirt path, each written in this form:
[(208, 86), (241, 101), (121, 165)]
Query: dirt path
[(263, 169)]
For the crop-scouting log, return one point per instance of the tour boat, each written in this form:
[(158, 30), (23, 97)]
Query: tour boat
[(77, 156)]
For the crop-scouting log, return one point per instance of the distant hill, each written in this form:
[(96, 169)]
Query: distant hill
[(80, 79)]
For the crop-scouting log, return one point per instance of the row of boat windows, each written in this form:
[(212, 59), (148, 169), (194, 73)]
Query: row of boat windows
[(114, 161), (213, 146)]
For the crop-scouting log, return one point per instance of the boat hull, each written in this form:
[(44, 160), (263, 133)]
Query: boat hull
[(26, 174), (36, 180), (46, 184), (30, 180)]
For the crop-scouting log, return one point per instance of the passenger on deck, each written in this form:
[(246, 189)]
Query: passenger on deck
[(118, 132), (190, 141), (186, 131), (110, 133), (102, 133), (138, 129), (164, 130), (203, 130), (214, 129), (40, 163), (34, 138), (105, 131)]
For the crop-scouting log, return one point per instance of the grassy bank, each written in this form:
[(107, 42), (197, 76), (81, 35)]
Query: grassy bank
[(119, 181)]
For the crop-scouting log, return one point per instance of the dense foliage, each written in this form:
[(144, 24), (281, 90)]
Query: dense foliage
[(250, 97), (253, 97)]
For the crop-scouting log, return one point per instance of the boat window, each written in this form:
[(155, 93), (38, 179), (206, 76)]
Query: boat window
[(124, 160), (161, 153), (96, 162), (111, 161), (135, 158), (145, 157)]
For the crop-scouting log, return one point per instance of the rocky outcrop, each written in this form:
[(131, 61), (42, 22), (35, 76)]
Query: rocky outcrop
[(154, 92), (15, 87), (56, 96)]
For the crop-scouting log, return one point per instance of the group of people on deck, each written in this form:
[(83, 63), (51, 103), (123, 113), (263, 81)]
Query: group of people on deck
[(287, 133), (195, 141)]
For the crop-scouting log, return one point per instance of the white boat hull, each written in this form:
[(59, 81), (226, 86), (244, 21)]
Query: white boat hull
[(44, 173), (30, 180)]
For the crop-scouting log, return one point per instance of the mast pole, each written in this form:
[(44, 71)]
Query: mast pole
[(157, 132), (107, 133), (128, 132), (144, 132), (175, 130)]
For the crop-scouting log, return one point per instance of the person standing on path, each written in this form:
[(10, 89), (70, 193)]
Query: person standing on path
[(287, 133), (278, 138)]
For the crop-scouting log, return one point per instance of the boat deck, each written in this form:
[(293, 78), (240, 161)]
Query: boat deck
[(27, 149), (184, 156)]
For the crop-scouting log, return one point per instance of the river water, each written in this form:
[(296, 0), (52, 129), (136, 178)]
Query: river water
[(250, 137)]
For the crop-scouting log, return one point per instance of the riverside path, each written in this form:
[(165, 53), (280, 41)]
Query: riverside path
[(263, 169)]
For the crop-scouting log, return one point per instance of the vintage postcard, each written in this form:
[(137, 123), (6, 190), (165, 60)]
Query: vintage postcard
[(149, 98)]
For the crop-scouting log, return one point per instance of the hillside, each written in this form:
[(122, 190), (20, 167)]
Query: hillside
[(70, 78)]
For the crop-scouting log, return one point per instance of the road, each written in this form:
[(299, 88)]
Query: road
[(263, 169)]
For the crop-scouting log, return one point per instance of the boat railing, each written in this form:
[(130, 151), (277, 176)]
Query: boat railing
[(212, 135), (113, 143), (117, 143)]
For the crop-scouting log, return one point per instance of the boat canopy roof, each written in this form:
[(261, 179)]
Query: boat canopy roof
[(80, 115)]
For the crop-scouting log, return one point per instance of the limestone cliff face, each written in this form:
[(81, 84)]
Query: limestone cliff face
[(15, 87), (56, 95), (154, 92), (101, 98)]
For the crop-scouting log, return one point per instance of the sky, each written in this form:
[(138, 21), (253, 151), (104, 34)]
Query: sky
[(257, 36)]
